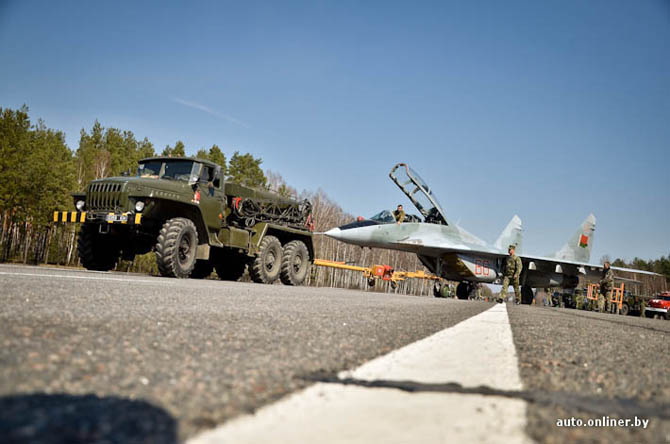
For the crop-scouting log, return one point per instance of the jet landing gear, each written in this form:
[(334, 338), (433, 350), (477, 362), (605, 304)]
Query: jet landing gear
[(527, 295), (463, 290)]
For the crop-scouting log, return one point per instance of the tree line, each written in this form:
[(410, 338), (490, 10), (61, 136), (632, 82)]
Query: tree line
[(649, 285)]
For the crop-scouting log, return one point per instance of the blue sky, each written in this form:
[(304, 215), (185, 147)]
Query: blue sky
[(549, 110)]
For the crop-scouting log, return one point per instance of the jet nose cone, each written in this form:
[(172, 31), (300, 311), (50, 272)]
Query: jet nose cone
[(335, 233)]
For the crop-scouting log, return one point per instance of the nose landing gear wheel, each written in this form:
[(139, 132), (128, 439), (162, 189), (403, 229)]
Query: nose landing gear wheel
[(527, 295), (463, 290)]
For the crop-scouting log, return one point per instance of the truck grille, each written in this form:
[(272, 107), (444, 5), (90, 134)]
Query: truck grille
[(106, 197)]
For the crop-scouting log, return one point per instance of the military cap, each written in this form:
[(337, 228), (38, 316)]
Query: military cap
[(512, 247)]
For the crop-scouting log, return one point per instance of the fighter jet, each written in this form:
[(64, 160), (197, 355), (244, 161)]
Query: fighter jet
[(451, 252)]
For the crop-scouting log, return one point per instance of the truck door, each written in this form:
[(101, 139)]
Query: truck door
[(211, 197)]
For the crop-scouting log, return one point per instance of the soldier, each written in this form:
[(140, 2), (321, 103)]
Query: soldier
[(606, 284), (547, 297), (399, 214), (511, 272), (579, 299)]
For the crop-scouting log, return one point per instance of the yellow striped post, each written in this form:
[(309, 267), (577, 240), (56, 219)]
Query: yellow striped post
[(55, 216), (138, 218), (82, 218)]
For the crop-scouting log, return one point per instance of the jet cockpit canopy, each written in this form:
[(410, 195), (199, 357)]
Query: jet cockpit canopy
[(419, 193), (386, 217)]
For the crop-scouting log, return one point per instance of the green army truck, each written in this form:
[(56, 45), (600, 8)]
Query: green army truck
[(633, 304), (195, 222)]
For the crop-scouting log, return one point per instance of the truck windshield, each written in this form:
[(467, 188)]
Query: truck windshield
[(185, 170)]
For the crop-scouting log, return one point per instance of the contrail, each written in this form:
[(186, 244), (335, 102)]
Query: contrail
[(209, 110)]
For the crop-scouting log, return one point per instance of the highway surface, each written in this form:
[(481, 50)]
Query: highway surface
[(112, 357)]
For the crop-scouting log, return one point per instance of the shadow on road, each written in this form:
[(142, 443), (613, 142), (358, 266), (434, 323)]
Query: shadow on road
[(41, 418)]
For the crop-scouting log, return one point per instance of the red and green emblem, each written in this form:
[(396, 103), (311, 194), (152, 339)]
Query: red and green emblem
[(584, 241)]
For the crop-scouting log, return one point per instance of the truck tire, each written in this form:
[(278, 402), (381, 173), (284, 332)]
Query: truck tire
[(202, 269), (96, 251), (176, 248), (294, 263), (232, 268), (266, 266), (625, 309)]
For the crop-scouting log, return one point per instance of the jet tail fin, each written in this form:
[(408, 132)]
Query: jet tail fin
[(511, 235), (578, 248)]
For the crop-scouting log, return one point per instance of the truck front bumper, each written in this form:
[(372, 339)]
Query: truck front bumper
[(656, 310), (127, 218)]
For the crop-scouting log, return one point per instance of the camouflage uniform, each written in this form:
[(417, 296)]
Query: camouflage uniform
[(579, 300), (399, 216), (512, 271), (606, 285)]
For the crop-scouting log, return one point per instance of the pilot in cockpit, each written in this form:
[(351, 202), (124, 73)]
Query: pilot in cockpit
[(399, 215)]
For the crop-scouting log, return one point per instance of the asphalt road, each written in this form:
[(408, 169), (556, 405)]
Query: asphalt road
[(593, 365), (199, 352), (107, 357)]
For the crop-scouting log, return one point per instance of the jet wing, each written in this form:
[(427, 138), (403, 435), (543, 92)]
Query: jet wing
[(435, 245), (432, 244), (571, 267)]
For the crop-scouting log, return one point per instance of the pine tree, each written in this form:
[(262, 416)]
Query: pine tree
[(179, 150), (245, 169), (216, 155)]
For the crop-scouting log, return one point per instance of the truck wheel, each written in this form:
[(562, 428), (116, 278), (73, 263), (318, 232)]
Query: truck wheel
[(294, 263), (96, 251), (625, 309), (176, 248), (266, 266), (232, 269), (202, 269)]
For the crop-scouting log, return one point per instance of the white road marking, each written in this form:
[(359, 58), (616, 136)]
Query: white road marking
[(94, 278), (477, 351)]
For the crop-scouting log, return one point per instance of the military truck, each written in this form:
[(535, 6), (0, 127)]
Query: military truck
[(195, 222), (633, 304)]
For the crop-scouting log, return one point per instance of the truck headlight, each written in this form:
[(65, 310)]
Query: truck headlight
[(139, 206), (80, 205)]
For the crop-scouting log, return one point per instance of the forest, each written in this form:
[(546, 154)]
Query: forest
[(38, 173)]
